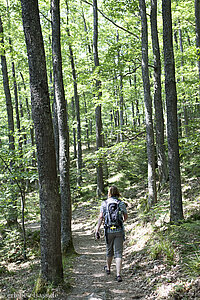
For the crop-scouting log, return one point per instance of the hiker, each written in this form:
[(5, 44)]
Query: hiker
[(113, 212)]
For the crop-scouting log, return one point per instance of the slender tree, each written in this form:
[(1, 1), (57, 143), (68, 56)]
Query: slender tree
[(152, 197), (50, 204), (185, 111), (197, 27), (176, 209), (121, 96), (12, 213), (99, 138), (74, 127), (66, 212), (77, 106), (29, 118), (159, 119), (86, 123)]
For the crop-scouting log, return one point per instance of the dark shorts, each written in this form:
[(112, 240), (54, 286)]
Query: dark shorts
[(114, 244)]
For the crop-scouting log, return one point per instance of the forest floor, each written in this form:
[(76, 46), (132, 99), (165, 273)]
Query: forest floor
[(144, 276)]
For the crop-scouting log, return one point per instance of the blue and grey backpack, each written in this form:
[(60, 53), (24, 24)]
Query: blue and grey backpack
[(113, 215)]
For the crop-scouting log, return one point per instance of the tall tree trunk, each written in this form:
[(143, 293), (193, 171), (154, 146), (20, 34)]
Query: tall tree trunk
[(152, 197), (56, 130), (86, 123), (121, 108), (99, 138), (74, 129), (87, 38), (17, 107), (133, 103), (66, 213), (137, 102), (50, 204), (185, 113), (77, 105), (176, 209), (159, 119), (197, 27), (121, 96), (54, 110), (12, 214), (29, 117)]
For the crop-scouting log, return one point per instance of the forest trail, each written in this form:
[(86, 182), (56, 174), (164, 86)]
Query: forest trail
[(89, 279)]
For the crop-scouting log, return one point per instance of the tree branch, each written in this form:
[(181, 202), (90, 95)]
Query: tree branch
[(131, 72), (135, 136), (107, 18)]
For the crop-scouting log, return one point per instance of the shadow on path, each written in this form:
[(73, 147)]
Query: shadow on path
[(90, 280)]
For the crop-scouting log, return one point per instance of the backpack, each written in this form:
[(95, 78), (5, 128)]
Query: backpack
[(113, 216)]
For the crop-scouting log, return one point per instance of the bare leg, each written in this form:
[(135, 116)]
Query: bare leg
[(118, 265), (109, 261)]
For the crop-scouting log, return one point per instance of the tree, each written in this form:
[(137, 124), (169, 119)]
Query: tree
[(77, 106), (152, 197), (176, 209), (121, 96), (12, 215), (50, 204), (159, 119), (99, 137), (197, 27), (64, 160)]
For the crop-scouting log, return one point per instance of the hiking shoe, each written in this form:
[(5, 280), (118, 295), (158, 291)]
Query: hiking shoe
[(119, 278), (107, 270)]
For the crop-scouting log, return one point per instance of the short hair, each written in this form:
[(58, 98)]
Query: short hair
[(113, 192)]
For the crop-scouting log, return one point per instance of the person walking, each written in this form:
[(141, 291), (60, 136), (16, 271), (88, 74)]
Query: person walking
[(113, 212)]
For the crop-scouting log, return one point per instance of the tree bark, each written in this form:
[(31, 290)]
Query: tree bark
[(176, 209), (17, 107), (86, 123), (152, 196), (159, 119), (50, 204), (12, 214), (99, 138), (74, 129), (66, 212), (185, 112), (137, 102), (197, 27), (77, 106), (121, 96), (29, 117)]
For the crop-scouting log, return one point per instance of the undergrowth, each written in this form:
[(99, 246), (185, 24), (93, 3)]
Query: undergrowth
[(156, 237)]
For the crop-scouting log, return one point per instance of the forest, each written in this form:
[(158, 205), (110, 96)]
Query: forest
[(96, 93)]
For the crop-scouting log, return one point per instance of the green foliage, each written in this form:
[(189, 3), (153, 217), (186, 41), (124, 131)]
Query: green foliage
[(186, 234), (41, 286), (12, 245), (125, 158), (178, 244), (162, 248), (189, 152), (119, 8)]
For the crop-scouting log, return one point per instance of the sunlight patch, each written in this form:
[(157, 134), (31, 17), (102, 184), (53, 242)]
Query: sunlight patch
[(164, 290), (115, 178)]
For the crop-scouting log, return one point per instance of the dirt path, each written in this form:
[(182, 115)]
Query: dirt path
[(90, 280)]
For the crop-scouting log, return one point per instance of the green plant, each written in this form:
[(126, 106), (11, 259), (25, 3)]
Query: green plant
[(163, 248), (193, 263)]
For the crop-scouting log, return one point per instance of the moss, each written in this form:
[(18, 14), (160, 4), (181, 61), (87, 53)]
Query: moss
[(40, 286)]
